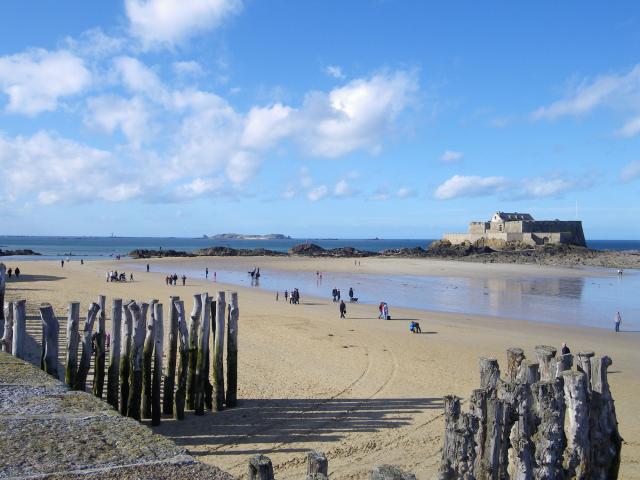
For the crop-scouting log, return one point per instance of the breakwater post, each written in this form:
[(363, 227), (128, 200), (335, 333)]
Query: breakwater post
[(73, 341), (100, 354), (218, 349), (50, 330), (127, 327), (6, 344), (183, 364), (147, 361), (194, 321), (232, 351), (87, 347), (169, 378), (139, 326), (157, 364), (203, 354), (114, 353), (19, 328)]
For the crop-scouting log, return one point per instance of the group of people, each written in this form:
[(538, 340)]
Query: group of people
[(335, 293), (173, 279), (292, 298), (114, 276), (206, 274), (383, 310), (11, 272)]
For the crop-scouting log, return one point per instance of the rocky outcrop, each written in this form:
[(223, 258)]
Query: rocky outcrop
[(140, 253), (313, 250), (236, 252), (25, 251)]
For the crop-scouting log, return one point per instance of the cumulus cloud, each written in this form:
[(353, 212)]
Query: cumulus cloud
[(342, 189), (550, 187), (110, 112), (334, 71), (35, 80), (469, 186), (630, 171), (139, 78), (165, 23), (405, 192), (619, 92), (450, 156), (188, 68), (317, 193), (264, 126)]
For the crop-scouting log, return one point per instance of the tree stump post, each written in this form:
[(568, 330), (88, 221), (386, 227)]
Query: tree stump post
[(170, 377), (584, 366), (317, 466), (546, 362), (521, 459), (6, 344), (113, 386), (73, 340), (158, 351), (87, 348), (100, 354), (183, 362), (528, 373), (550, 439), (260, 468), (19, 328), (515, 356), (489, 373), (139, 327), (194, 321), (578, 453), (3, 286), (208, 387), (203, 349), (218, 351), (125, 355), (147, 361), (232, 352), (50, 334)]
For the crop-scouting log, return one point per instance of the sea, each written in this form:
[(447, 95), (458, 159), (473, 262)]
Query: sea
[(573, 299)]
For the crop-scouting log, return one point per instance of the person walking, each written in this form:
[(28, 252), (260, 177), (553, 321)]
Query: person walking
[(343, 309), (206, 272), (147, 268), (277, 295), (9, 273), (184, 279), (286, 295), (61, 263), (17, 272), (618, 321), (351, 294)]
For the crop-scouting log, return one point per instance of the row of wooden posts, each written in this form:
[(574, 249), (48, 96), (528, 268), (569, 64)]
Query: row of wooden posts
[(135, 374)]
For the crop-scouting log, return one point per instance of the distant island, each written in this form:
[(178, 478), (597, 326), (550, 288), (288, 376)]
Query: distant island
[(241, 236)]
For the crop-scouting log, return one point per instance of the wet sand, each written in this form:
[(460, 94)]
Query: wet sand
[(364, 391)]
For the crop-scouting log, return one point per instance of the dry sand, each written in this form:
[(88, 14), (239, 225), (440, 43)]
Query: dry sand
[(362, 390)]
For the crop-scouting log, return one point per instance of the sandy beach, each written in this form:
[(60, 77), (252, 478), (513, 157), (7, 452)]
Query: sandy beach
[(364, 391)]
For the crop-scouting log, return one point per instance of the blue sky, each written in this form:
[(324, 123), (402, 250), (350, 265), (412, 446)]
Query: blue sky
[(316, 118)]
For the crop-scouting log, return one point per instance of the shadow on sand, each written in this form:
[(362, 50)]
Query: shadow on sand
[(25, 277), (254, 423)]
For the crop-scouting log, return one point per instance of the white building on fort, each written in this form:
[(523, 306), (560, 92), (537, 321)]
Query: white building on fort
[(521, 227)]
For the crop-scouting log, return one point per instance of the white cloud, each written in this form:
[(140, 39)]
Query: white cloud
[(317, 193), (334, 71), (35, 80), (620, 92), (549, 187), (242, 167), (469, 186), (95, 43), (450, 156), (110, 112), (265, 126), (343, 189), (167, 22), (188, 68), (197, 187), (405, 192), (630, 172), (139, 78), (305, 178)]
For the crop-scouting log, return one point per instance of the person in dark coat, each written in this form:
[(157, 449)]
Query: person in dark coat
[(343, 309), (565, 349)]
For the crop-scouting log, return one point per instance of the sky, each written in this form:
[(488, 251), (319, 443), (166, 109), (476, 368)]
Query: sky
[(358, 119)]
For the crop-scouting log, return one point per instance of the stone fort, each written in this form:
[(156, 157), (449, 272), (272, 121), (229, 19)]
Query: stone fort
[(521, 227)]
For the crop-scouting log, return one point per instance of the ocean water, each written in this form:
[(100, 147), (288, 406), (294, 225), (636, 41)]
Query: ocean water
[(101, 247)]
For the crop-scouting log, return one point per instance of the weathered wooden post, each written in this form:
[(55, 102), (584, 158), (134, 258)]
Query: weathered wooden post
[(139, 324), (73, 340), (232, 351), (100, 354), (584, 365), (489, 372), (183, 364), (50, 333), (124, 359), (549, 439), (147, 361), (528, 373), (218, 350), (577, 457), (170, 377), (565, 362), (208, 387), (114, 353), (6, 344), (87, 347), (193, 350), (260, 468), (546, 362), (158, 350), (203, 349), (19, 328), (3, 284), (515, 356), (317, 466), (521, 458), (390, 472)]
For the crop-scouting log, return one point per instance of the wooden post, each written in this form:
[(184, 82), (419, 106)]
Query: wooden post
[(565, 362), (218, 350), (50, 333), (3, 284), (317, 466), (193, 350), (170, 377), (549, 440), (6, 344), (515, 356), (100, 354), (124, 359), (521, 459), (139, 324), (576, 462), (73, 340), (260, 468), (489, 372), (19, 328), (203, 349), (232, 351), (183, 364), (546, 362), (528, 373), (114, 353), (158, 335), (87, 347), (584, 365), (208, 387), (147, 362), (390, 472)]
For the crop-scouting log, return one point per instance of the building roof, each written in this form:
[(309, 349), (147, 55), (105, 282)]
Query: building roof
[(511, 216)]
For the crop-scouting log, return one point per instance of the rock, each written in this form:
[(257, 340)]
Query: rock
[(141, 253), (25, 251), (309, 249)]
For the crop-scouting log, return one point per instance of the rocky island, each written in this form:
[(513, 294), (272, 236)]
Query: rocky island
[(25, 251), (241, 236)]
